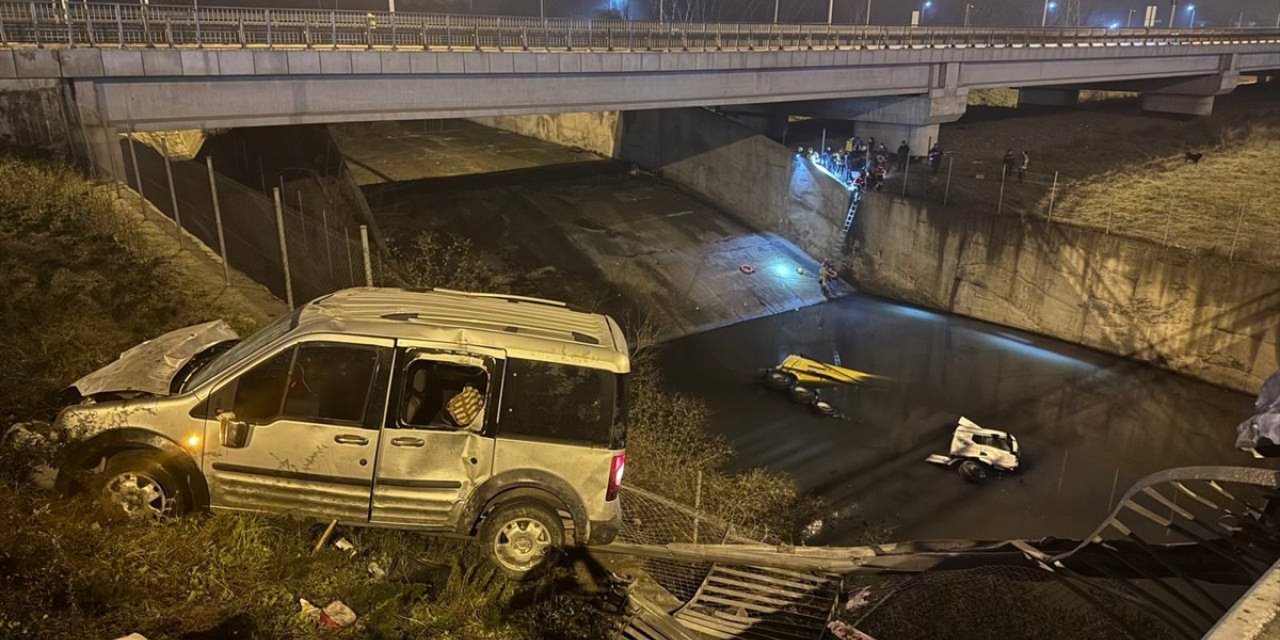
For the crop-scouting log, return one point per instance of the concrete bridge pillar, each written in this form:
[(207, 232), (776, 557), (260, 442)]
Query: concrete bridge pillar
[(1193, 96), (893, 119), (101, 140), (1048, 96)]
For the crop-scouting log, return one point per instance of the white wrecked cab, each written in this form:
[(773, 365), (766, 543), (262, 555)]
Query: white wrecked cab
[(977, 450)]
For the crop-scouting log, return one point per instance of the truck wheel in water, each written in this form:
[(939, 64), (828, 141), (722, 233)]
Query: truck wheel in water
[(802, 395), (136, 485), (974, 471), (779, 380), (823, 408), (523, 540)]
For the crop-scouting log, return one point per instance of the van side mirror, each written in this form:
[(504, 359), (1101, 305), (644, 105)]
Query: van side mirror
[(232, 433)]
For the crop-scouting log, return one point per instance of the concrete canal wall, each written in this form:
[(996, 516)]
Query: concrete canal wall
[(596, 132), (1203, 316)]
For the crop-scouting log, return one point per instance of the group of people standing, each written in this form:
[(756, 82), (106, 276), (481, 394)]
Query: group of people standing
[(1013, 165)]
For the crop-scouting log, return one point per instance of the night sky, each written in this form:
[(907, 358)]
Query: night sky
[(1095, 13)]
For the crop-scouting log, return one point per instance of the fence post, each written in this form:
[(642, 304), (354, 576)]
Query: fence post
[(1053, 193), (697, 507), (1004, 173), (284, 248), (906, 174), (1232, 256), (328, 250), (951, 161), (364, 248), (1168, 221), (137, 175), (217, 221), (173, 195)]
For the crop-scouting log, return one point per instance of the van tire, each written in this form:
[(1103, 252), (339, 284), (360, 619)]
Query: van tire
[(523, 540), (136, 484), (823, 408), (973, 471)]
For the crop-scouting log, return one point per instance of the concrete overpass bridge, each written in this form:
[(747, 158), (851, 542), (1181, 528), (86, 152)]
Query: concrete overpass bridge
[(160, 67)]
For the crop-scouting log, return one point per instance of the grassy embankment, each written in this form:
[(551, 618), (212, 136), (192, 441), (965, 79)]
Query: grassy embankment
[(1125, 171), (82, 279)]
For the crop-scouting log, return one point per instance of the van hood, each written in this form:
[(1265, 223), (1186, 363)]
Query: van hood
[(150, 366)]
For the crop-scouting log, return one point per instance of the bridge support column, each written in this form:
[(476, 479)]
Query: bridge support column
[(1048, 96), (1189, 105), (101, 141), (893, 119)]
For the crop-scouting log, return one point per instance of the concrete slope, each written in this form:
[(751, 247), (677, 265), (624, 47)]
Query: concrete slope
[(602, 238)]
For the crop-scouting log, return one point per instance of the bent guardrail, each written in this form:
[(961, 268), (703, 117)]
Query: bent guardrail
[(87, 24)]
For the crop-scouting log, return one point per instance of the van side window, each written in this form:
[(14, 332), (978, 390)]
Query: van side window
[(260, 390), (443, 395), (330, 382), (558, 402)]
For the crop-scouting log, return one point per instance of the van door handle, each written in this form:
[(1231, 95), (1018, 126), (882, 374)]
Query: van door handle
[(350, 439), (407, 442)]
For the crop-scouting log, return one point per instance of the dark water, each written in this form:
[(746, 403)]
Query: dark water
[(1086, 421)]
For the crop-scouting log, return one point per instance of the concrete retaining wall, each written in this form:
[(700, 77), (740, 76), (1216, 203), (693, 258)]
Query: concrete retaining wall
[(1202, 316), (596, 131), (31, 115), (741, 172)]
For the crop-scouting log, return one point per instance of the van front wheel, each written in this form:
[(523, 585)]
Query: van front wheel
[(522, 540)]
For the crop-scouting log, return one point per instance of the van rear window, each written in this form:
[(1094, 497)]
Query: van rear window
[(561, 403)]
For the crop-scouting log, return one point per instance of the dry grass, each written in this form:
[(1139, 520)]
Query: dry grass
[(1113, 161), (1196, 206)]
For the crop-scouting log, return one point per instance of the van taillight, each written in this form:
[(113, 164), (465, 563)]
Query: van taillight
[(616, 467)]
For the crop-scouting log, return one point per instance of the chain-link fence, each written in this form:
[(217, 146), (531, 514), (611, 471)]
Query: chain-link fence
[(648, 518), (981, 182), (323, 250)]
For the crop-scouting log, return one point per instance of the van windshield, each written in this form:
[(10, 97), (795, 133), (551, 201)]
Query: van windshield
[(246, 347)]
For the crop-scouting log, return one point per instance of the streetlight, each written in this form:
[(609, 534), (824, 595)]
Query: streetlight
[(868, 21), (775, 11), (1128, 22), (967, 7), (927, 5), (1192, 23), (831, 7), (1044, 17)]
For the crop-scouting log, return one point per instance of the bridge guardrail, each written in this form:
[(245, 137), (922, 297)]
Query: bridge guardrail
[(88, 24)]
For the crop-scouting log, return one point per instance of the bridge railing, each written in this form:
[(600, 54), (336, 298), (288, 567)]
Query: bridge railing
[(86, 24)]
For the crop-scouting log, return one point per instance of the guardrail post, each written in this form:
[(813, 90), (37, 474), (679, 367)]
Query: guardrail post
[(137, 175), (608, 37), (71, 39), (591, 36), (368, 31), (333, 29), (306, 30), (498, 37), (426, 43), (448, 34), (524, 38), (475, 36), (394, 47), (195, 11), (270, 34), (35, 25), (146, 27), (168, 32), (119, 26), (4, 38)]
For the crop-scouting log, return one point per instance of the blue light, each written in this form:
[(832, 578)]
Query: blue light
[(782, 270), (928, 5), (1191, 7), (1053, 5), (1114, 25)]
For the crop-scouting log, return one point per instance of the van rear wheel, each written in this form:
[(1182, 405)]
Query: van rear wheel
[(523, 540)]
